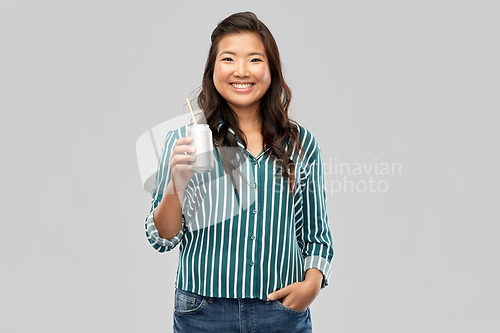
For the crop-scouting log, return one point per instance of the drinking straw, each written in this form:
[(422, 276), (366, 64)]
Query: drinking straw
[(191, 109)]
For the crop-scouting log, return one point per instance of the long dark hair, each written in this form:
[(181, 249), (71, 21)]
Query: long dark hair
[(279, 132)]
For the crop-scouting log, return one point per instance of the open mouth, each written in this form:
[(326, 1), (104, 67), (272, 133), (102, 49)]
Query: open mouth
[(242, 85)]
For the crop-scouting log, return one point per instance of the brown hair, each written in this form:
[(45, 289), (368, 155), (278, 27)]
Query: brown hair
[(279, 132)]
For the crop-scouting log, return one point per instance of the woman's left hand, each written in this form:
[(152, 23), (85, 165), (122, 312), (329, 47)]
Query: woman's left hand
[(298, 295)]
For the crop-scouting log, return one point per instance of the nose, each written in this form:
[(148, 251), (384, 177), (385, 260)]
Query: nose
[(241, 69)]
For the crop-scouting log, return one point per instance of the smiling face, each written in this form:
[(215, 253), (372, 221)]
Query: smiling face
[(241, 71)]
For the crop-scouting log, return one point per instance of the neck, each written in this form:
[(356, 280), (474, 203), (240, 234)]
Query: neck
[(248, 119)]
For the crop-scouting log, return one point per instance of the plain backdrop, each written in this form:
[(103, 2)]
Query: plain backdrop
[(413, 84)]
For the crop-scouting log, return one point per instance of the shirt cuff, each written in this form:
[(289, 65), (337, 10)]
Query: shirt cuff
[(321, 264), (159, 243)]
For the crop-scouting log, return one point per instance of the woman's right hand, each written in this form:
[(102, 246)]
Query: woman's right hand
[(179, 158)]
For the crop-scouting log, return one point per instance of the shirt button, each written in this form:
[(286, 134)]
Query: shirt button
[(253, 237), (255, 185), (251, 262), (255, 211)]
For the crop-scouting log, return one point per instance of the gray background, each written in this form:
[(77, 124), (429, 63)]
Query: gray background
[(414, 83)]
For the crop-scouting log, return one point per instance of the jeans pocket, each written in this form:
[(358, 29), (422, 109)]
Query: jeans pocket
[(279, 303), (187, 302)]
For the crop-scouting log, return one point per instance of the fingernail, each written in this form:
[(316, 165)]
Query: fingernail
[(190, 166), (192, 148), (271, 297)]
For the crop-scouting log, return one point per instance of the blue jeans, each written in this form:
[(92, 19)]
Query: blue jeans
[(194, 313)]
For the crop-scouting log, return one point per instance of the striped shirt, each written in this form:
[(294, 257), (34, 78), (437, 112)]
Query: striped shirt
[(251, 244)]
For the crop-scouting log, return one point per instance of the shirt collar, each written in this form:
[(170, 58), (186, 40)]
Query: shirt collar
[(221, 122), (230, 130)]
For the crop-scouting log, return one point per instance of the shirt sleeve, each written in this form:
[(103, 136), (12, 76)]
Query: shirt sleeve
[(163, 177), (316, 236)]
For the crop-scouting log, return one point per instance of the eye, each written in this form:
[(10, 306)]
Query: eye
[(255, 60), (227, 59)]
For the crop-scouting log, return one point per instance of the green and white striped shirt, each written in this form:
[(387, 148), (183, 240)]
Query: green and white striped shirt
[(250, 246)]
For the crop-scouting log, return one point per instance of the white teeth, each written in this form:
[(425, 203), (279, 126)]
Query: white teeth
[(241, 86)]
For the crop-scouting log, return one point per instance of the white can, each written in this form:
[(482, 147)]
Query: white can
[(202, 141)]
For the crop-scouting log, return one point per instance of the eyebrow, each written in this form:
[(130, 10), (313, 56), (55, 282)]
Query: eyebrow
[(250, 54)]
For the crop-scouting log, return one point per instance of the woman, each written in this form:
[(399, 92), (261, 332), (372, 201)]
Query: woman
[(255, 250)]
